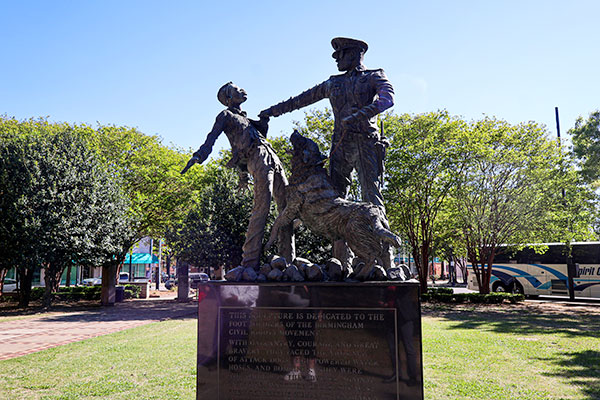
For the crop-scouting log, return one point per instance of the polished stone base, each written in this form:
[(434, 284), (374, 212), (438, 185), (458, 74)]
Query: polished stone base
[(355, 341)]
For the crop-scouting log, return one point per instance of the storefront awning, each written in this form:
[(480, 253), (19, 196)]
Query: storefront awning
[(141, 258)]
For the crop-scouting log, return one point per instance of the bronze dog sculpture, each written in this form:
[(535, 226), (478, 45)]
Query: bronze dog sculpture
[(312, 198)]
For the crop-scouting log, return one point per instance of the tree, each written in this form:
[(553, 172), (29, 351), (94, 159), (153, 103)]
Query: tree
[(18, 225), (586, 146), (159, 196), (424, 162), (448, 240), (511, 192), (61, 207), (213, 231)]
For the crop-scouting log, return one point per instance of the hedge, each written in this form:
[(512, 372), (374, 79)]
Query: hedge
[(446, 295)]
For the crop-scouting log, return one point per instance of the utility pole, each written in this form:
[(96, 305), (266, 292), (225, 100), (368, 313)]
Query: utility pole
[(158, 268), (570, 263)]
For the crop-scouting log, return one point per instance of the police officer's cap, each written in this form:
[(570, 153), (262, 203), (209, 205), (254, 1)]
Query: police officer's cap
[(341, 43)]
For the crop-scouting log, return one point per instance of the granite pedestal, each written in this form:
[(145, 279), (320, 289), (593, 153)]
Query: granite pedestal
[(353, 341)]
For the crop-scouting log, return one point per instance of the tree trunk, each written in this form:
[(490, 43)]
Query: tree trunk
[(3, 273), (25, 279), (183, 282), (421, 257), (464, 270), (68, 283), (484, 275), (477, 271), (109, 278), (52, 280)]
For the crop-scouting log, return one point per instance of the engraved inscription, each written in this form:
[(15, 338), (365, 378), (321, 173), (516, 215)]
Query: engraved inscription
[(307, 353)]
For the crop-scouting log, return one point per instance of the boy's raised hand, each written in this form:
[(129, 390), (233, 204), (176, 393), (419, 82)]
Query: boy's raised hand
[(191, 162)]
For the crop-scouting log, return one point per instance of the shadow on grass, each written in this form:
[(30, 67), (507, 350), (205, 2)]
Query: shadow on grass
[(521, 320), (581, 369), (126, 311)]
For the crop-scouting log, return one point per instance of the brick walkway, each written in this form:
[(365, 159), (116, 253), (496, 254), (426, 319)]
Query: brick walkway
[(24, 336)]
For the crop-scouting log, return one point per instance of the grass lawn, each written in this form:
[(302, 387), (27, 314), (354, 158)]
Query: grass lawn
[(516, 352)]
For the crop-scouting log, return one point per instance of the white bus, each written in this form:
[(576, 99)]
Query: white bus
[(534, 274)]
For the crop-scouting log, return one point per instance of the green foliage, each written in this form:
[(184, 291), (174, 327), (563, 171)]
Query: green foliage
[(37, 293), (59, 205), (313, 247), (213, 231), (446, 295), (77, 293), (586, 146), (132, 291), (150, 173), (424, 161), (510, 192)]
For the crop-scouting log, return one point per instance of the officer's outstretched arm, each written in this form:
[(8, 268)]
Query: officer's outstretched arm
[(304, 99)]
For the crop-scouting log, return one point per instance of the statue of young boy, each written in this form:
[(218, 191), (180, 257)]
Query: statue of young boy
[(253, 154)]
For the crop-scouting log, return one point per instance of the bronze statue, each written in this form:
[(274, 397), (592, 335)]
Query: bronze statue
[(253, 154), (356, 97), (312, 198)]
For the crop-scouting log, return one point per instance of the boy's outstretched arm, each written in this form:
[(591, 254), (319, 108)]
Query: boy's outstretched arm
[(204, 151)]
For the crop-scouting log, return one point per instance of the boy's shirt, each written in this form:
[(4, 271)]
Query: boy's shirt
[(242, 133)]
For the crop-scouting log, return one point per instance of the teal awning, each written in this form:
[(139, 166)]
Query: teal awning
[(141, 258)]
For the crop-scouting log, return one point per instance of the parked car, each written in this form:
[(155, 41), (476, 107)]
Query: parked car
[(196, 278), (92, 281), (124, 277), (10, 285)]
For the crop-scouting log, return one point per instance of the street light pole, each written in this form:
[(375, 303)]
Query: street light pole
[(570, 263)]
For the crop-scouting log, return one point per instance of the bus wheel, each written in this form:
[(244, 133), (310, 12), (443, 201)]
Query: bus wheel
[(518, 289), (499, 287)]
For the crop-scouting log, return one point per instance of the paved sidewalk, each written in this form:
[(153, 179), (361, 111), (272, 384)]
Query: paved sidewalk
[(28, 335)]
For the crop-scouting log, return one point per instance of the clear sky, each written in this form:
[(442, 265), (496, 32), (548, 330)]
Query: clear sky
[(157, 65)]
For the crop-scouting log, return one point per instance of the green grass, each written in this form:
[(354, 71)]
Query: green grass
[(515, 352), (511, 353), (155, 361)]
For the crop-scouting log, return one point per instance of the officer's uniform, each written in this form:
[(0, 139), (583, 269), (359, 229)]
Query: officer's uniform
[(359, 95)]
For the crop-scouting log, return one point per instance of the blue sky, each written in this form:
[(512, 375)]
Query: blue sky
[(158, 65)]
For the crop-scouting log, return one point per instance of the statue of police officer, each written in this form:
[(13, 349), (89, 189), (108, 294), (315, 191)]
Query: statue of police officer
[(356, 97)]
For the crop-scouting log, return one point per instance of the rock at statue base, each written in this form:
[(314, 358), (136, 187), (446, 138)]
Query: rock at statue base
[(275, 275), (334, 269), (361, 271), (378, 274), (314, 273), (235, 274), (298, 261), (397, 274), (302, 264), (265, 269), (279, 262), (293, 274), (249, 275)]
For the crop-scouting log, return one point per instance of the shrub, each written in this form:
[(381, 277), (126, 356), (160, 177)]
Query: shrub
[(92, 292), (442, 290), (37, 293), (76, 293), (445, 295), (461, 297), (132, 291)]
